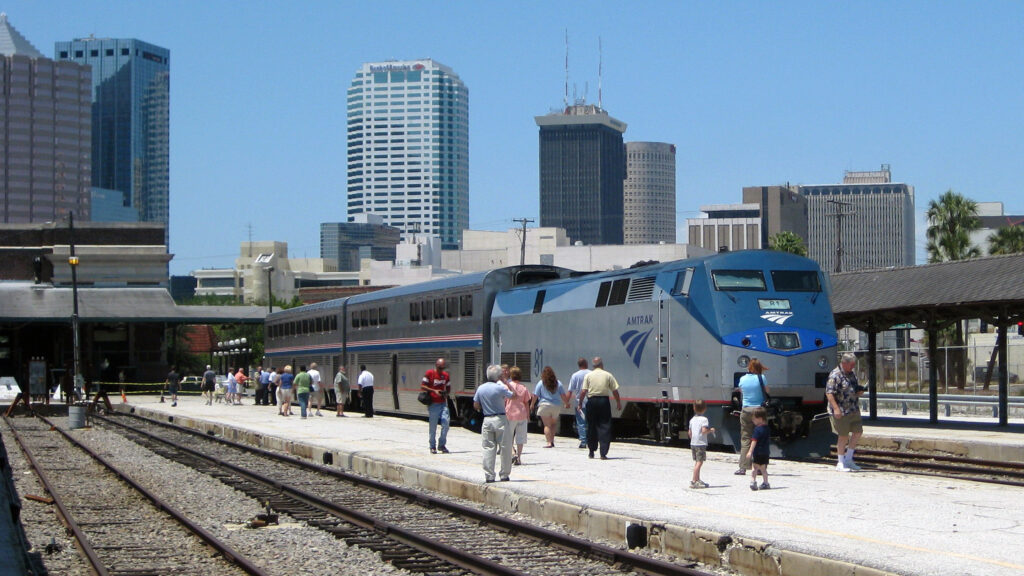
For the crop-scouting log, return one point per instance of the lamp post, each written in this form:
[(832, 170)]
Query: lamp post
[(73, 262), (270, 292)]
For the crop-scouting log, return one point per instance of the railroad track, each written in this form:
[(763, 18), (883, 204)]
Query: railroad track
[(1008, 473), (411, 530), (121, 528)]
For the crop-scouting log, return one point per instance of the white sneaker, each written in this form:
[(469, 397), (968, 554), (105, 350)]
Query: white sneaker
[(841, 467), (850, 464)]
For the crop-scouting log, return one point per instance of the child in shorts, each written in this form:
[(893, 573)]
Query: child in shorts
[(698, 434), (759, 449)]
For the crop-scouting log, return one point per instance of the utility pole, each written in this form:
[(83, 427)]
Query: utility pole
[(839, 231), (522, 239), (73, 263)]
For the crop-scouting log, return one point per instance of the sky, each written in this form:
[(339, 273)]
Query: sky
[(751, 94)]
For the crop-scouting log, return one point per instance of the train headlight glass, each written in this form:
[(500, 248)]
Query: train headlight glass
[(822, 361), (743, 361)]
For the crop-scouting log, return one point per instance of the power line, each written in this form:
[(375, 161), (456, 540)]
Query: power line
[(522, 238)]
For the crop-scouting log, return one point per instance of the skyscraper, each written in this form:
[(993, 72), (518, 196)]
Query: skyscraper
[(130, 120), (649, 193), (408, 147), (44, 133), (868, 219), (364, 236), (582, 169)]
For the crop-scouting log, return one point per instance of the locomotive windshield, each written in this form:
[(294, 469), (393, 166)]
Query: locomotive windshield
[(752, 280), (796, 281)]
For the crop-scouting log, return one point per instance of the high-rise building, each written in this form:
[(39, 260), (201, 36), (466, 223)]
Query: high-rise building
[(649, 193), (782, 209), (408, 147), (582, 171), (865, 222), (366, 236), (44, 133), (130, 120)]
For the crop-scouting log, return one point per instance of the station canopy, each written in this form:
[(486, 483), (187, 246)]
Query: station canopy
[(25, 302), (932, 295)]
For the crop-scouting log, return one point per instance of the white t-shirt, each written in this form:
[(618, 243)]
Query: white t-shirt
[(365, 379), (315, 375), (697, 437)]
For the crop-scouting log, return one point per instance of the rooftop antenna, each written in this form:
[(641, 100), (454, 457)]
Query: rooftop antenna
[(565, 99), (600, 61)]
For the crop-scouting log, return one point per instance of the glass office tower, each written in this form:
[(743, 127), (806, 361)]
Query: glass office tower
[(408, 148), (130, 120)]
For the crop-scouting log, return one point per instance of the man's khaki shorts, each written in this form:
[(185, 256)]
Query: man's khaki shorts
[(847, 424)]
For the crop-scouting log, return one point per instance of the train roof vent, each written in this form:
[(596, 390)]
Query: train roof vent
[(641, 289)]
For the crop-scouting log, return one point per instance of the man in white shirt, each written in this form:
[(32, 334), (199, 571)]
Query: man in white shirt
[(317, 397), (575, 385), (365, 383)]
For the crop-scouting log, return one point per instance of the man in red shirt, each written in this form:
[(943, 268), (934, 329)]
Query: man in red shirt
[(438, 383)]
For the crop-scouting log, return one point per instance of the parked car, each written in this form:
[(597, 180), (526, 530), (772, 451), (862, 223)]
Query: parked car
[(191, 382)]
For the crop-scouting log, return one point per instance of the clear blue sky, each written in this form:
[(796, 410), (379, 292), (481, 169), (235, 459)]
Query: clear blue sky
[(751, 93)]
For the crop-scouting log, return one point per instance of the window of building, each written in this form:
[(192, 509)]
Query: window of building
[(94, 53), (124, 52)]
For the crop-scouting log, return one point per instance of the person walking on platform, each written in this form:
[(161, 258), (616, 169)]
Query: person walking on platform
[(517, 409), (365, 384), (241, 379), (698, 433), (209, 383), (751, 385), (437, 383), (303, 385), (341, 387), (232, 387), (263, 389), (173, 379), (575, 385), (489, 400), (316, 395), (843, 393), (275, 381), (551, 398), (284, 390), (597, 386), (760, 449)]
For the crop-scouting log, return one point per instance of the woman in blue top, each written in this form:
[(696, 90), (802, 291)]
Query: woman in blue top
[(552, 398), (285, 388), (750, 386)]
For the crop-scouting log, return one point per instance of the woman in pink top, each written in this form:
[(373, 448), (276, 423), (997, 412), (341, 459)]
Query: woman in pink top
[(517, 410), (241, 378)]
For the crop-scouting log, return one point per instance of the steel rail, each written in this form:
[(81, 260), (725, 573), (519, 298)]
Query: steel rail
[(229, 553), (570, 543), (987, 471), (81, 540)]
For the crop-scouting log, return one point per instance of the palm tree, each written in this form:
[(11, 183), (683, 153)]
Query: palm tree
[(787, 241), (1007, 240), (951, 220)]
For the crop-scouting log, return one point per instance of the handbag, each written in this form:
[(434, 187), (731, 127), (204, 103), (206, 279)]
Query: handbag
[(424, 398), (771, 405)]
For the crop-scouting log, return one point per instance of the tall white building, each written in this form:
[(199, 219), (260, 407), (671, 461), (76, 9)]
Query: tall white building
[(408, 148), (649, 193)]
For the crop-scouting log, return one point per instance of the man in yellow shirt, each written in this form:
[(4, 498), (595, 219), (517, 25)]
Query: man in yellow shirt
[(597, 386)]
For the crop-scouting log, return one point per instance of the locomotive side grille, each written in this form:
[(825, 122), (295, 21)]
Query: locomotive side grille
[(641, 289), (521, 359)]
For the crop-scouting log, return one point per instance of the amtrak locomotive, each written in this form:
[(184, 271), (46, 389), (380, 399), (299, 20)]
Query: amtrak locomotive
[(671, 333)]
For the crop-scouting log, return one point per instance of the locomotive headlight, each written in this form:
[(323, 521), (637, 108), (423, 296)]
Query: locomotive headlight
[(743, 361), (822, 361)]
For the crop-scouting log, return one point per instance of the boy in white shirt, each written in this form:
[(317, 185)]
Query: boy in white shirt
[(698, 434)]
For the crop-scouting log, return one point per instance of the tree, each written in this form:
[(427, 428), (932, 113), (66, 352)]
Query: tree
[(951, 220), (787, 241), (1007, 240)]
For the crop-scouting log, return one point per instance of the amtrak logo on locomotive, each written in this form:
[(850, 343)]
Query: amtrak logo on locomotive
[(635, 342), (777, 317)]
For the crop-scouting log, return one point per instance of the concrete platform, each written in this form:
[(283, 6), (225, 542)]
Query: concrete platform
[(813, 522)]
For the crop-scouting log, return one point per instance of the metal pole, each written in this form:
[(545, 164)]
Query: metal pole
[(270, 292), (1004, 374), (73, 262)]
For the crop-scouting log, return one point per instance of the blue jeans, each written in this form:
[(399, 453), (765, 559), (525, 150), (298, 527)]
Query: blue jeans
[(303, 402), (581, 425), (438, 411)]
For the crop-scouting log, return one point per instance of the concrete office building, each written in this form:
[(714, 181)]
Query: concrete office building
[(408, 147), (366, 236), (765, 211), (782, 208), (44, 134), (876, 216), (582, 172), (130, 122), (649, 193)]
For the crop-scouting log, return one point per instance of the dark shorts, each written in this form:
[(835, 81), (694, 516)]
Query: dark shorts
[(760, 459), (172, 388), (206, 387)]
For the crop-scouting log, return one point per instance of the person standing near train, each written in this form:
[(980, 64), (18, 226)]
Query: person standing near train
[(284, 391), (517, 409), (843, 392), (341, 387), (303, 386), (365, 383), (316, 395), (751, 385), (551, 398), (438, 383), (489, 400), (597, 386), (575, 386)]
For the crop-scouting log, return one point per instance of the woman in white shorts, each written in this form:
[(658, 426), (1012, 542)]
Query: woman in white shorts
[(552, 398)]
